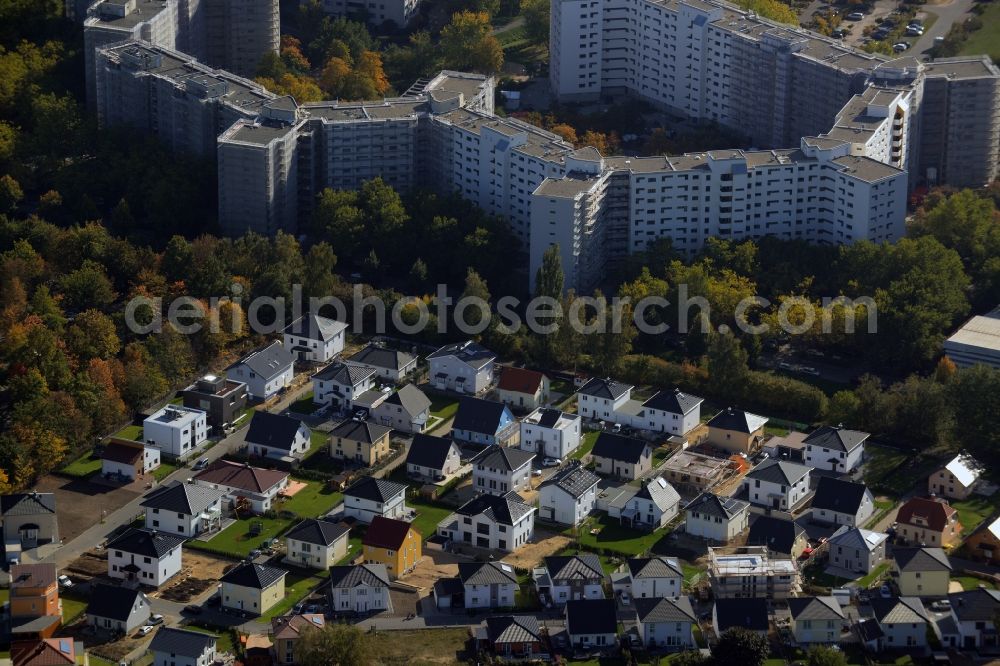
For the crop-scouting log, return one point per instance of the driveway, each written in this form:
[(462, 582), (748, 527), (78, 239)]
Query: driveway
[(948, 13)]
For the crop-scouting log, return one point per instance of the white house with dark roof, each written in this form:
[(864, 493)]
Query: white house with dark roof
[(370, 497), (314, 339), (622, 457), (177, 431), (144, 556), (599, 398), (781, 537), (387, 363), (673, 412), (666, 622), (359, 588), (29, 519), (972, 620), (835, 448), (592, 623), (957, 479), (485, 423), (173, 646), (777, 484), (339, 384), (551, 433), (463, 367), (856, 549), (185, 509), (816, 620), (491, 521), (655, 505), (316, 543), (569, 495), (239, 481), (117, 609), (432, 458), (718, 519), (251, 587), (498, 470), (277, 436), (406, 410), (565, 578), (902, 621), (842, 502), (265, 371), (488, 584), (655, 577)]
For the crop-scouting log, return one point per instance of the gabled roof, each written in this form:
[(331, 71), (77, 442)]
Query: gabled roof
[(582, 566), (605, 388), (292, 625), (469, 352), (411, 399), (659, 492), (710, 504), (574, 480), (839, 495), (664, 610), (591, 616), (146, 543), (619, 447), (778, 534), (505, 510), (375, 490), (45, 652), (32, 575), (901, 610), (186, 498), (836, 438), (358, 430), (241, 476), (655, 567), (268, 362), (486, 573), (921, 559), (520, 380), (870, 630), (344, 374), (387, 533), (674, 402), (369, 575), (964, 468), (255, 576), (318, 531), (780, 472), (979, 605), (112, 601), (815, 608), (748, 613), (429, 451), (125, 453), (503, 458), (857, 538), (380, 357), (314, 327), (936, 512), (185, 642), (516, 629), (27, 504), (547, 417), (737, 420), (276, 431), (478, 415)]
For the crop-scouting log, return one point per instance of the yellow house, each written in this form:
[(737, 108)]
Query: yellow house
[(285, 634), (921, 572), (362, 442), (736, 431), (254, 588), (393, 543)]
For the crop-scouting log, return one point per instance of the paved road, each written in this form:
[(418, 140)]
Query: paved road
[(948, 13)]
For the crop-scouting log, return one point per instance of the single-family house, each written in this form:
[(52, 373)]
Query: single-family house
[(902, 621), (277, 436), (750, 613), (569, 577), (463, 367), (387, 363), (29, 519), (128, 460), (592, 623), (835, 448), (223, 400), (359, 588), (393, 543), (673, 412), (522, 389), (173, 646), (736, 431), (856, 549), (599, 398), (513, 637), (144, 556), (316, 543), (498, 470), (655, 505), (666, 622), (841, 502), (265, 371), (816, 620), (550, 433), (251, 587), (973, 615), (314, 339), (781, 537), (432, 458), (984, 544), (718, 519), (654, 577), (244, 486), (485, 423), (185, 509), (370, 497), (116, 609), (488, 584), (406, 410), (928, 521), (35, 607), (777, 484), (569, 495), (957, 479), (286, 632), (359, 441), (921, 572), (339, 384), (622, 457), (177, 431), (47, 652), (497, 522)]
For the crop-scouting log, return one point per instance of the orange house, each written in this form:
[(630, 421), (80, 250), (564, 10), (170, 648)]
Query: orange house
[(34, 591)]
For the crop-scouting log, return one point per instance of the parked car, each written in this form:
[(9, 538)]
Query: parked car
[(201, 464), (900, 47), (65, 581), (626, 599), (855, 16), (880, 34), (193, 609), (536, 472), (914, 31), (551, 462), (155, 619), (838, 34), (884, 592), (143, 631), (941, 605)]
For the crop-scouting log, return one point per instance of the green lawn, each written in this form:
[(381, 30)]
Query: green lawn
[(4, 595), (815, 574), (971, 582), (318, 441), (304, 405), (986, 39), (589, 438), (72, 608), (428, 516), (973, 511), (893, 471), (223, 638), (612, 536), (133, 432), (315, 500), (882, 509), (871, 577), (297, 587), (83, 467), (660, 454), (443, 407), (425, 646), (164, 470)]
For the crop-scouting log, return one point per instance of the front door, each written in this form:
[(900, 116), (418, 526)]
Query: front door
[(775, 503)]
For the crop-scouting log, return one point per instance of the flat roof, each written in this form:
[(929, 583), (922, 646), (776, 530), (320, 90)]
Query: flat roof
[(257, 134), (981, 331), (569, 186)]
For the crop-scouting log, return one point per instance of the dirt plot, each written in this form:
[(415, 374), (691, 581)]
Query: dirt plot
[(80, 502), (541, 546), (434, 565), (91, 564), (199, 572), (105, 645), (404, 600)]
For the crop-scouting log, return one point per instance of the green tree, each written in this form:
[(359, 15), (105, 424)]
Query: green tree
[(87, 287), (92, 335), (418, 274), (550, 278), (468, 43), (739, 645), (319, 280), (973, 393), (11, 193), (823, 655), (536, 20), (475, 287), (335, 645), (727, 365)]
